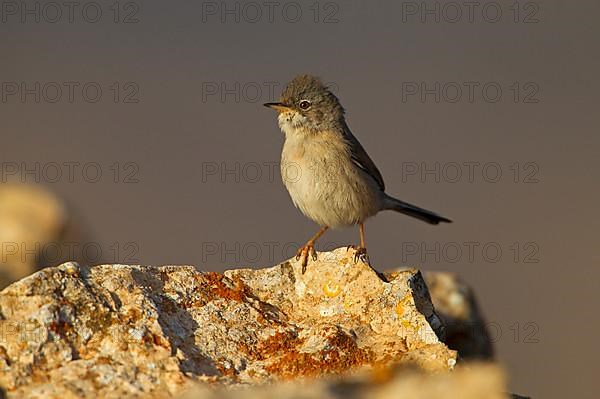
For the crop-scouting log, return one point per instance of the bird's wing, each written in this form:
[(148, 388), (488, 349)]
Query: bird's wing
[(361, 158)]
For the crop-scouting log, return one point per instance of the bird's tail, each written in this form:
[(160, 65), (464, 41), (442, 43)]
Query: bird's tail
[(412, 210)]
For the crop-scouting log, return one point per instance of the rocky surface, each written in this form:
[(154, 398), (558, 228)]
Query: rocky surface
[(32, 219), (472, 382), (466, 329), (117, 331)]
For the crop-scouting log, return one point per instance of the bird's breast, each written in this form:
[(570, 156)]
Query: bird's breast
[(323, 182)]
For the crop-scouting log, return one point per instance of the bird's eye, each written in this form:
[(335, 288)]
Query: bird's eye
[(304, 104)]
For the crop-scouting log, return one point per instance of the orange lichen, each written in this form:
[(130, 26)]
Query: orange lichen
[(224, 370), (279, 342), (342, 354), (151, 339), (103, 360), (61, 328), (236, 293)]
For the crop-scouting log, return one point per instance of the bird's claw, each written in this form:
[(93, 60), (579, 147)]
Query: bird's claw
[(314, 254), (304, 252), (361, 254)]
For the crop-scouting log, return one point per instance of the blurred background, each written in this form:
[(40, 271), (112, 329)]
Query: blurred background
[(134, 132)]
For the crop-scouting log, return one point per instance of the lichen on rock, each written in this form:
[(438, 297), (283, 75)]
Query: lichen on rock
[(142, 331)]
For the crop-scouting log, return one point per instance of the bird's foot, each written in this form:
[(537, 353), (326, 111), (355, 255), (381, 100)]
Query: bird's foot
[(304, 252), (360, 253)]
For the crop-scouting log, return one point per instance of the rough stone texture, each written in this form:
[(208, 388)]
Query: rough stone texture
[(30, 218), (455, 303), (474, 382), (116, 331)]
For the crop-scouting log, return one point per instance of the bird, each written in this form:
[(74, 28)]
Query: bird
[(330, 177)]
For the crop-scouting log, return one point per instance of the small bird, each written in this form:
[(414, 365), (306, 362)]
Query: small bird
[(325, 169)]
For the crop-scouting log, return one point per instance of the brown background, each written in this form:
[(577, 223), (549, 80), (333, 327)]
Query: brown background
[(173, 212)]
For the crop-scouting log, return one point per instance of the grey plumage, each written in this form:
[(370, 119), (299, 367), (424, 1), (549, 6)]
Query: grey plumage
[(335, 182)]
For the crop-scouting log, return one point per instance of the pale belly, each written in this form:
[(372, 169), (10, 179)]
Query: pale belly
[(326, 187)]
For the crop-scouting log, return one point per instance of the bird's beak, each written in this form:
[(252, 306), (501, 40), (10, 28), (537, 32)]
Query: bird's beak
[(279, 107)]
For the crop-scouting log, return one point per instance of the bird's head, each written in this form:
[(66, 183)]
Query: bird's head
[(308, 106)]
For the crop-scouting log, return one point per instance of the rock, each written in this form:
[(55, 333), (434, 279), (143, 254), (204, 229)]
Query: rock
[(455, 303), (115, 331), (473, 382), (31, 217)]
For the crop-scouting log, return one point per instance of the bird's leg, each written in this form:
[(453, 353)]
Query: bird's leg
[(361, 251), (309, 249)]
